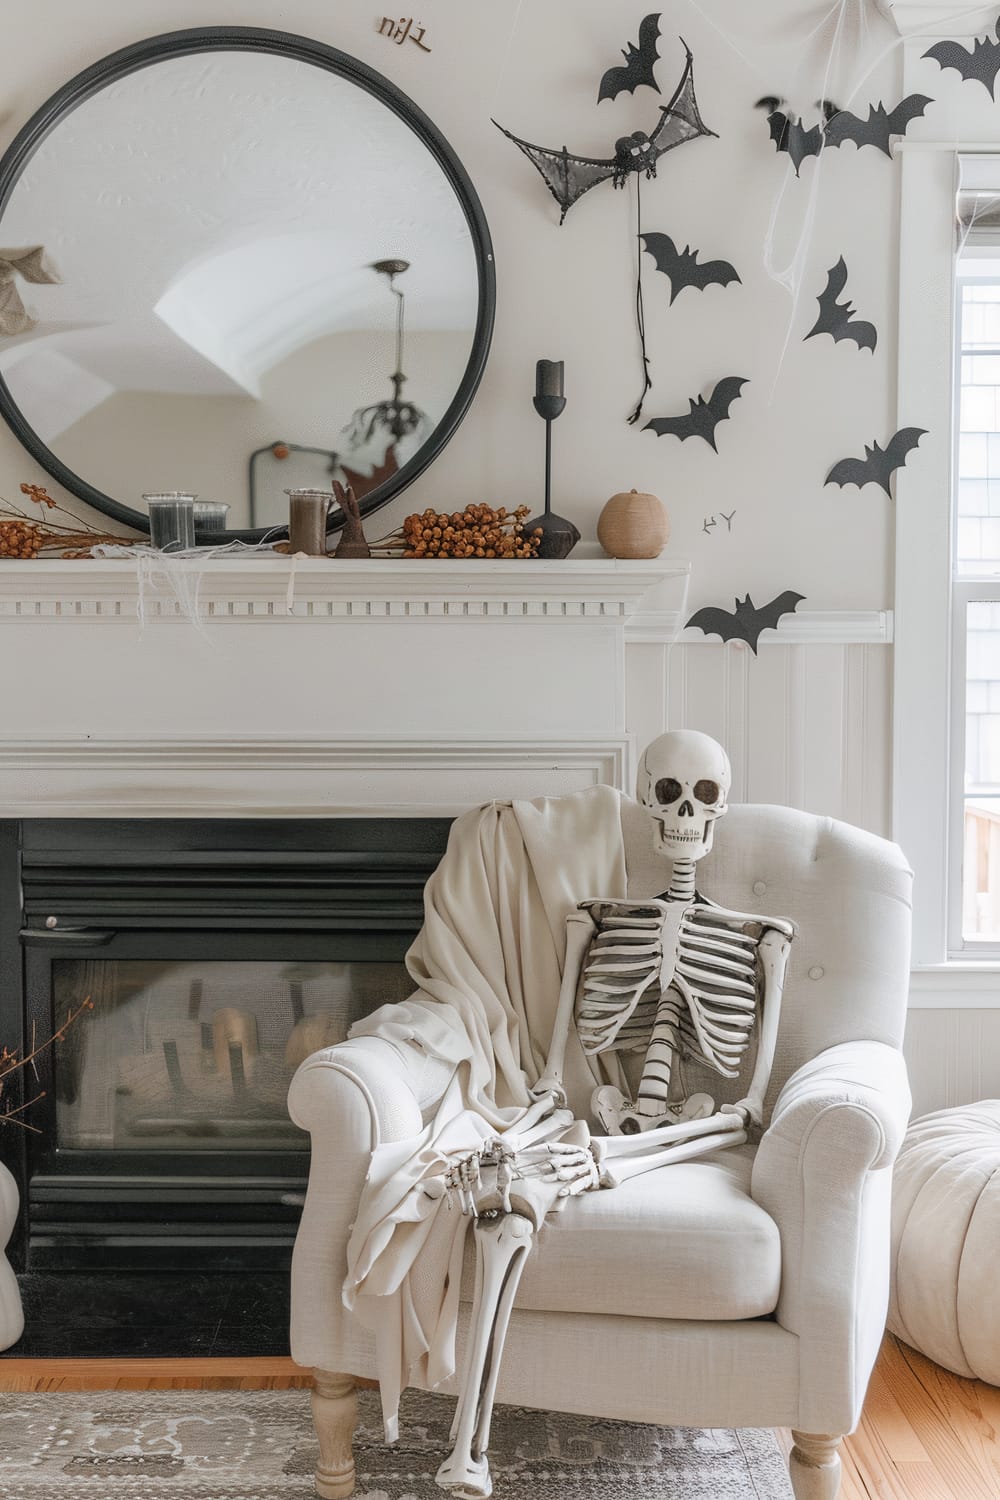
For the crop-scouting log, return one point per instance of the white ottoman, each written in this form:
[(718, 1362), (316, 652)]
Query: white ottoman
[(945, 1297)]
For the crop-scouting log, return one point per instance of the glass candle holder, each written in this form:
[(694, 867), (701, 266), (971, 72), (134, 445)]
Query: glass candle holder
[(210, 516), (307, 513), (171, 520)]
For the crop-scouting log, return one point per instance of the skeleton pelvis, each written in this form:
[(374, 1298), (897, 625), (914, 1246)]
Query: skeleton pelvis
[(617, 1114)]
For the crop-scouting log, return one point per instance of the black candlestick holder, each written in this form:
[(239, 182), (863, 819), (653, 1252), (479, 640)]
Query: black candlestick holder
[(559, 536)]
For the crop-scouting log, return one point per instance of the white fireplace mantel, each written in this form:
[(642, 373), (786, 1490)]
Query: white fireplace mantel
[(270, 587), (273, 686)]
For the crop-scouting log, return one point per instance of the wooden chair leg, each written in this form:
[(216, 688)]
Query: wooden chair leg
[(814, 1466), (335, 1416)]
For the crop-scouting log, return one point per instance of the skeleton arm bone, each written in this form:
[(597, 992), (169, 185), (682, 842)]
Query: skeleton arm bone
[(579, 934), (773, 951)]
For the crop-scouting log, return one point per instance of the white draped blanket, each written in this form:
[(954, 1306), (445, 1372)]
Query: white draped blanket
[(488, 963)]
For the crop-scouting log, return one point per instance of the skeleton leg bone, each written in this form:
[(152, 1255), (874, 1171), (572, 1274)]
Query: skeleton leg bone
[(616, 1167), (502, 1245)]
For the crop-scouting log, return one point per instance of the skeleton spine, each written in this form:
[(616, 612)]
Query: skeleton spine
[(654, 1086)]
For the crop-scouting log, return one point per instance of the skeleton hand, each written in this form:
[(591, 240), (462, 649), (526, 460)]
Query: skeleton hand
[(461, 1180), (552, 1088), (573, 1166)]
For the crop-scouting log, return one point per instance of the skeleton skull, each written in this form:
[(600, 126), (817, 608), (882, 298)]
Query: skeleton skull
[(684, 780)]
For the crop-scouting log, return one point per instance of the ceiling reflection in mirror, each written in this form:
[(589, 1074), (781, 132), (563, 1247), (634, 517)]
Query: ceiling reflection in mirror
[(219, 324)]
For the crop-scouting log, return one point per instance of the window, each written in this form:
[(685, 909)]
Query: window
[(974, 924)]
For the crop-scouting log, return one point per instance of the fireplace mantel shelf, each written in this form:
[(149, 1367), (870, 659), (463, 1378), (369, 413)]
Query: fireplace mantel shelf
[(281, 587)]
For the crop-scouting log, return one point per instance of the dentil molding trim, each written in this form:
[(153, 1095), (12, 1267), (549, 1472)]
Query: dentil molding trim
[(273, 589), (267, 588)]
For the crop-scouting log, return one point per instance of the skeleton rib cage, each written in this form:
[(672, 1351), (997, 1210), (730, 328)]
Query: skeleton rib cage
[(661, 977)]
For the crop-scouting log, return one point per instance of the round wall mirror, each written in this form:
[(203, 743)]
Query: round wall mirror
[(235, 262)]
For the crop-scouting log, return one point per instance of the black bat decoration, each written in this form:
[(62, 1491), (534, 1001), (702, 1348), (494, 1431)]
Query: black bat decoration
[(568, 176), (790, 135), (682, 267), (704, 416), (639, 64), (879, 127), (878, 464), (981, 65), (837, 318), (746, 622), (839, 126)]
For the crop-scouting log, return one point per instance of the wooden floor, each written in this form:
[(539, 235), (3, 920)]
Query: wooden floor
[(924, 1435)]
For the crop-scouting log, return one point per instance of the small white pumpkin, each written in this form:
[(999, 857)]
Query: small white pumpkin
[(945, 1238)]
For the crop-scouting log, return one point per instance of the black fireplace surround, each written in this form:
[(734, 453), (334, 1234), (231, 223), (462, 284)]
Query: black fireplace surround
[(216, 953)]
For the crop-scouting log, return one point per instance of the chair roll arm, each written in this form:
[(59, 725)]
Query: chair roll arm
[(351, 1098), (822, 1173)]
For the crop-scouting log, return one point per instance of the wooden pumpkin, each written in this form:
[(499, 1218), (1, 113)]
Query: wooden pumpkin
[(633, 524), (945, 1234)]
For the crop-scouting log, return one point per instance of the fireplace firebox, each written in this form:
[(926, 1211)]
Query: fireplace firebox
[(217, 954)]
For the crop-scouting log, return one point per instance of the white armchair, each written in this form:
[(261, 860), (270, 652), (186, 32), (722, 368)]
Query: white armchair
[(744, 1289)]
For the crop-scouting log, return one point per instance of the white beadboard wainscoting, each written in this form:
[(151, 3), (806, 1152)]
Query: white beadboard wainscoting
[(386, 689)]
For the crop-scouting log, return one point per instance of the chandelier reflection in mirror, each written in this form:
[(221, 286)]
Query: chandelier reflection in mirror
[(373, 430), (379, 438)]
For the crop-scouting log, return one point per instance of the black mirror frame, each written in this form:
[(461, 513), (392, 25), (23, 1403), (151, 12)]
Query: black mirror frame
[(139, 55)]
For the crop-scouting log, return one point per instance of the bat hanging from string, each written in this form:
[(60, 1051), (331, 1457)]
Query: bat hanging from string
[(569, 175)]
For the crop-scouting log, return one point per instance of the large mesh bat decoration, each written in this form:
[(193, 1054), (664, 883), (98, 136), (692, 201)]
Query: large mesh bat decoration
[(639, 64), (568, 176), (878, 464), (981, 65), (746, 622), (704, 416), (682, 267), (837, 318), (840, 127)]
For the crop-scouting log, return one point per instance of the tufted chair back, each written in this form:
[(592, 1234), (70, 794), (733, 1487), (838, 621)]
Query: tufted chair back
[(848, 893)]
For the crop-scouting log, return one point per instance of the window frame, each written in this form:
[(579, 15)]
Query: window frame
[(929, 653), (966, 589)]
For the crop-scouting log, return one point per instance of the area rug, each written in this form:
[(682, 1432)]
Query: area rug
[(259, 1445)]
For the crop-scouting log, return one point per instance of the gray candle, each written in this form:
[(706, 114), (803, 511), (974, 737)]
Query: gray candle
[(171, 520), (210, 516)]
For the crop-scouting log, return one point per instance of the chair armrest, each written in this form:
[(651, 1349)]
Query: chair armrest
[(821, 1172), (351, 1098)]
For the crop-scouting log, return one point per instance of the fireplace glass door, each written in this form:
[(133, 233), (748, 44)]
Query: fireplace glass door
[(198, 1055), (216, 956)]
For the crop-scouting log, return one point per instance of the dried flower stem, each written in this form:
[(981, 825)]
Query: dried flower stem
[(13, 1062)]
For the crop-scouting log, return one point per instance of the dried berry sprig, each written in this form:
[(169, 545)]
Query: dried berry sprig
[(476, 531), (24, 534), (12, 1061)]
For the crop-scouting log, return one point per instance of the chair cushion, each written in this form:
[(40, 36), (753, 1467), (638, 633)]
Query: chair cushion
[(687, 1241)]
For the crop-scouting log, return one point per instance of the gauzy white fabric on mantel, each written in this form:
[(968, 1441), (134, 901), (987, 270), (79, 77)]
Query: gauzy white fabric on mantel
[(488, 962)]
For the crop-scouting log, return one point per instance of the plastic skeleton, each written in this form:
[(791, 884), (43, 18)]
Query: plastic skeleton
[(671, 977)]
